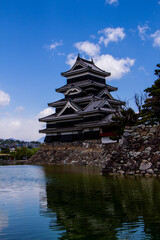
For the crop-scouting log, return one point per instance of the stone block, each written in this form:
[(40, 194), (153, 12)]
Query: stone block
[(150, 134), (150, 171), (120, 172), (145, 165), (143, 133), (126, 134), (157, 153), (148, 149), (131, 172), (153, 130), (133, 134)]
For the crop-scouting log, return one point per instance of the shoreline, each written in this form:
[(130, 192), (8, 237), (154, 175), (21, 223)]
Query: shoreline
[(137, 153), (12, 162)]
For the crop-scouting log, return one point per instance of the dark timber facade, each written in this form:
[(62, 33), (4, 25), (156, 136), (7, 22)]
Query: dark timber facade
[(87, 107)]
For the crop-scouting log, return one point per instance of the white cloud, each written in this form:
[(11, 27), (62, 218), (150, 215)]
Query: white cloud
[(91, 49), (117, 67), (19, 109), (71, 58), (19, 128), (4, 98), (111, 35), (115, 2), (5, 114), (92, 36), (22, 128), (142, 31), (61, 54), (156, 38), (46, 112), (143, 70), (159, 2), (54, 45)]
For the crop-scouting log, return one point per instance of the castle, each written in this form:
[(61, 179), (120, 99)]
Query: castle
[(87, 107)]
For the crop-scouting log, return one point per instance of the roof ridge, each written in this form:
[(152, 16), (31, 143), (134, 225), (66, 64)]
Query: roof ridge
[(91, 62), (86, 65), (85, 60)]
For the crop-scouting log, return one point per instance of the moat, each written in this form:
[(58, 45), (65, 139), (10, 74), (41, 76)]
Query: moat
[(69, 202)]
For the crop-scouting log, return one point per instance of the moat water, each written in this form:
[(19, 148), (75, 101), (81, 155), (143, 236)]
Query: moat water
[(76, 203)]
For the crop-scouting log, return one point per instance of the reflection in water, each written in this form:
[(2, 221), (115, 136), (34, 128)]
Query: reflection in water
[(90, 207), (3, 220), (21, 191), (60, 202), (133, 231)]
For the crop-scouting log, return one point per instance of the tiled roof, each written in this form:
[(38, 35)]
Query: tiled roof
[(55, 117), (76, 100), (84, 84), (85, 66)]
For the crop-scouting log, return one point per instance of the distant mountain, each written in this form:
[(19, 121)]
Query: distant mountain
[(41, 140)]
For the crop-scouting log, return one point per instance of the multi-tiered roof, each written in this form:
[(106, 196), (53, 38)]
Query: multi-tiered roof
[(87, 106)]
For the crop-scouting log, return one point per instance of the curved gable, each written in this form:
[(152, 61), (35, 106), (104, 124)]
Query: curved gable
[(74, 108), (72, 91), (105, 93)]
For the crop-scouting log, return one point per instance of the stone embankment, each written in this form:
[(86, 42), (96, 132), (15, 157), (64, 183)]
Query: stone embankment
[(81, 153), (137, 153)]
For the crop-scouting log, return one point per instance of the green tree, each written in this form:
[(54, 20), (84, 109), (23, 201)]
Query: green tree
[(5, 150), (23, 153), (127, 117), (150, 113)]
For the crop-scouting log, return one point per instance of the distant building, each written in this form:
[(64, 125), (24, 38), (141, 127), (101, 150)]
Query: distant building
[(87, 107), (11, 149)]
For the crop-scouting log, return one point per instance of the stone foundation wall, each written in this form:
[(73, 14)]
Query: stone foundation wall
[(81, 153), (138, 152)]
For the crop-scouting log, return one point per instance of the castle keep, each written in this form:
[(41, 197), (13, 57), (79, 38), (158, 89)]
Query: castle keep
[(87, 107)]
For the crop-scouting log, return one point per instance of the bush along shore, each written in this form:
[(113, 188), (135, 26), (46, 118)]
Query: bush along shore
[(137, 153)]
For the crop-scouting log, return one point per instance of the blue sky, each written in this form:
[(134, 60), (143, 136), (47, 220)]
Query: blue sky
[(41, 38)]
